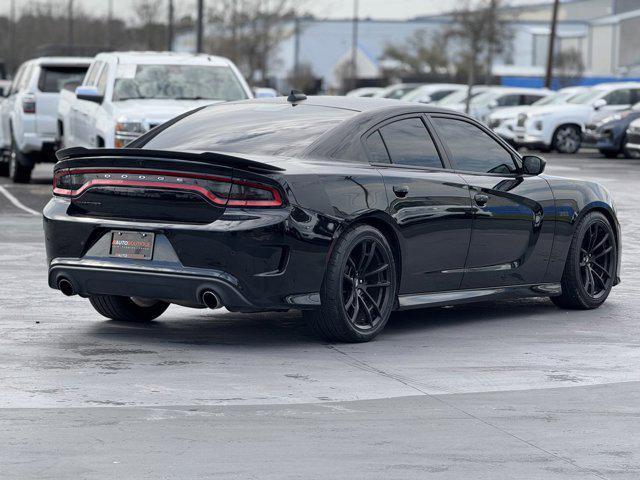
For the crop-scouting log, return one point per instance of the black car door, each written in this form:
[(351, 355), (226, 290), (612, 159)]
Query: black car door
[(512, 227), (429, 203)]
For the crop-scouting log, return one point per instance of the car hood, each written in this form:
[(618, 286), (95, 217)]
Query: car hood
[(565, 108), (509, 112), (156, 110)]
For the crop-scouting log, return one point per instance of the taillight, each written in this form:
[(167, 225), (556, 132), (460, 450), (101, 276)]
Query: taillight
[(218, 190), (29, 103)]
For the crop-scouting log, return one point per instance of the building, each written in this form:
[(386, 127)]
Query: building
[(604, 32)]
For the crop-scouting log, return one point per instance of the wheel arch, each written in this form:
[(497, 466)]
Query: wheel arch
[(610, 215), (383, 222)]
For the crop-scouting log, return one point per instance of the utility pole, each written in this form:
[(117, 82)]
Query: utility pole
[(170, 26), (552, 40), (69, 27), (296, 51), (493, 19), (354, 47), (199, 27), (12, 33), (110, 24)]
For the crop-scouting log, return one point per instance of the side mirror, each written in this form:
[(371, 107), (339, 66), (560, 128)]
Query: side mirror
[(533, 165), (425, 99), (598, 104), (493, 104), (90, 94)]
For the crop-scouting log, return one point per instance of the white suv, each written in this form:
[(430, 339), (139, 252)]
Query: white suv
[(560, 127), (28, 132), (125, 94)]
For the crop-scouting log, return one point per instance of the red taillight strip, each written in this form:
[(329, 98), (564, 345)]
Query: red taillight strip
[(276, 201)]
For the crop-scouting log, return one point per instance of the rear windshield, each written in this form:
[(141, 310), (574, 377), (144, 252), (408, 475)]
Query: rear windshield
[(53, 79), (260, 128)]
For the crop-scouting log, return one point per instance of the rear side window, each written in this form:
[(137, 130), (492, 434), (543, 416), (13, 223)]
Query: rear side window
[(52, 79), (377, 150), (251, 127), (472, 149), (409, 143), (619, 97)]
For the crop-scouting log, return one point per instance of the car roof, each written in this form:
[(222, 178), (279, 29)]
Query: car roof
[(54, 61), (355, 104), (615, 85), (168, 58)]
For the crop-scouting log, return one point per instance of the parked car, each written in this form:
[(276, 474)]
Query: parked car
[(503, 120), (560, 127), (346, 208), (397, 91), (500, 97), (264, 92), (609, 134), (125, 94), (457, 99), (364, 92), (432, 92), (28, 133), (633, 138)]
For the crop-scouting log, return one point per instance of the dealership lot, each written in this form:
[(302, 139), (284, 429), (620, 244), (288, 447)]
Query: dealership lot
[(538, 392)]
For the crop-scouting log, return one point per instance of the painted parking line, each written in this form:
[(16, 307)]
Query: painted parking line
[(17, 203)]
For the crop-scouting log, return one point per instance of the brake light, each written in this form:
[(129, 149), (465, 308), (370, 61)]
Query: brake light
[(29, 103), (217, 190)]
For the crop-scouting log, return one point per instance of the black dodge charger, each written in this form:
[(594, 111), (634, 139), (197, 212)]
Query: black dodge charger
[(344, 208)]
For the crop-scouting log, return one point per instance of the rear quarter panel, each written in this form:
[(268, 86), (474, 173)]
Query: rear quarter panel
[(573, 200)]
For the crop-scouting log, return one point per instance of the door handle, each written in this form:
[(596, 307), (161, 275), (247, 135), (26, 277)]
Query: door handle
[(481, 199), (401, 191)]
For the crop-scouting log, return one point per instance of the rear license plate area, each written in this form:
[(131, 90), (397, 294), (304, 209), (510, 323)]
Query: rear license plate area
[(134, 245)]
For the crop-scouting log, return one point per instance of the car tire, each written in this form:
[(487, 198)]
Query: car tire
[(626, 152), (567, 139), (128, 309), (4, 165), (590, 268), (609, 153), (359, 288), (20, 166)]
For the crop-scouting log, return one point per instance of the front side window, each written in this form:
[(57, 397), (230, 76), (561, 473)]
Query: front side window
[(409, 143), (92, 74), (472, 149), (509, 100), (619, 97), (177, 82)]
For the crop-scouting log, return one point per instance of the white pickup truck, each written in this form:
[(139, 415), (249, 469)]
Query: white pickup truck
[(28, 113), (126, 94)]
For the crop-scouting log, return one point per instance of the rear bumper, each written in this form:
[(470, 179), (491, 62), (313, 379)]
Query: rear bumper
[(257, 259)]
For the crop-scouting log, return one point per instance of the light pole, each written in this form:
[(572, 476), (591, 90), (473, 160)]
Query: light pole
[(552, 40), (170, 26), (354, 47), (199, 26), (69, 26)]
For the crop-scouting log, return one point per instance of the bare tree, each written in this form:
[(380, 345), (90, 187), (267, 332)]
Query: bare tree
[(248, 31), (421, 53), (568, 67), (480, 31), (303, 79), (147, 14)]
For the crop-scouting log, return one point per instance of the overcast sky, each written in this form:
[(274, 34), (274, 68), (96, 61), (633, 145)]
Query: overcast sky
[(392, 9)]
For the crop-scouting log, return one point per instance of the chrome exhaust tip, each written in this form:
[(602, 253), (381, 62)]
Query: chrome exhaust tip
[(66, 287), (211, 300)]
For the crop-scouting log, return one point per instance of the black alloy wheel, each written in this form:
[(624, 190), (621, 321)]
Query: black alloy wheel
[(590, 269), (366, 285), (359, 288), (596, 264)]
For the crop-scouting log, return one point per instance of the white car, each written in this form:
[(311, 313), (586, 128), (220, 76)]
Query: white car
[(503, 121), (432, 92), (482, 105), (397, 90), (364, 92), (125, 94), (28, 133), (560, 127)]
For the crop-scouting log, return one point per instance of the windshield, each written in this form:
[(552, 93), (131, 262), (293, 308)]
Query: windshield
[(249, 127), (585, 97), (485, 98), (554, 99), (179, 82), (459, 96), (397, 91)]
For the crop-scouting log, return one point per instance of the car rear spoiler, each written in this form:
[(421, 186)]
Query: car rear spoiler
[(214, 158)]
